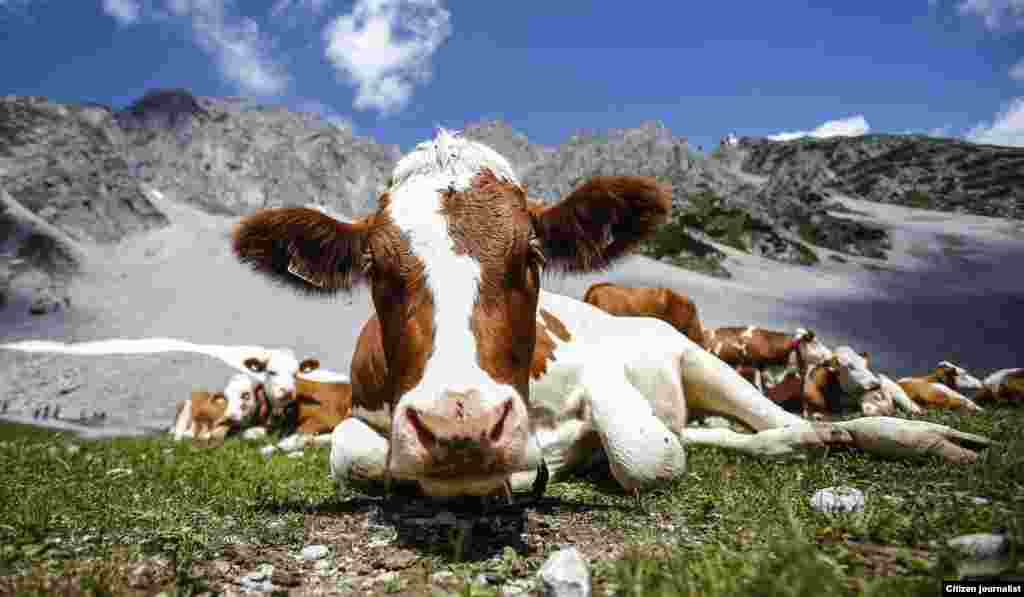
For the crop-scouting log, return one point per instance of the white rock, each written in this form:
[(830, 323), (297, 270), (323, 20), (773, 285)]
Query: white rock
[(838, 499), (565, 574), (314, 552), (294, 443), (980, 546), (255, 433), (268, 450)]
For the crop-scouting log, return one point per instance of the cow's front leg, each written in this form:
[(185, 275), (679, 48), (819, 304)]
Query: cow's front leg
[(358, 457), (642, 450)]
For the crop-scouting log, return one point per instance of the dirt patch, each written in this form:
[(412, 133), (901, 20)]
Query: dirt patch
[(403, 546)]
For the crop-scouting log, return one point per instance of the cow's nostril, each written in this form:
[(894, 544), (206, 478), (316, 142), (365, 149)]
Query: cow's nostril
[(499, 427), (426, 437)]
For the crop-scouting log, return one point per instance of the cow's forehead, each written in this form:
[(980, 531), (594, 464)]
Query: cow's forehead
[(282, 360), (449, 161)]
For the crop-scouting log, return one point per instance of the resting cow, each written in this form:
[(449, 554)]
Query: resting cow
[(757, 349), (936, 389), (207, 415), (662, 303), (1005, 385), (322, 400), (469, 377)]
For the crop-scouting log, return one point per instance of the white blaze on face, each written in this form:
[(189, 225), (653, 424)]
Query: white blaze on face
[(279, 377), (241, 396), (453, 280)]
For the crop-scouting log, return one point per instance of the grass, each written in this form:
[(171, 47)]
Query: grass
[(85, 510)]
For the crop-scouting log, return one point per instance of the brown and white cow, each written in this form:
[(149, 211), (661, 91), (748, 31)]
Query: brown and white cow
[(212, 415), (662, 303), (323, 399), (1004, 385), (756, 348), (936, 389), (469, 376)]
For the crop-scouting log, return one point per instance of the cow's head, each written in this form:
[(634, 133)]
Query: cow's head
[(275, 370), (810, 348), (957, 378), (241, 398), (453, 256)]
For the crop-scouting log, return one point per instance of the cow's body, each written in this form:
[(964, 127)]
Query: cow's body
[(201, 416), (661, 303), (1005, 385), (937, 389), (321, 401), (753, 350)]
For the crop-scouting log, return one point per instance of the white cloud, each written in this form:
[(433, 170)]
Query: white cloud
[(242, 51), (384, 47), (853, 126), (127, 12), (1017, 71), (1007, 128), (996, 13)]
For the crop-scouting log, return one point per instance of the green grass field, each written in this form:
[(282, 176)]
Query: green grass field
[(81, 512)]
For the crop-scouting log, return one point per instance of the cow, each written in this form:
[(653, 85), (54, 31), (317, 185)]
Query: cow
[(759, 349), (213, 415), (322, 399), (1004, 385), (959, 379), (936, 389), (662, 303), (469, 379)]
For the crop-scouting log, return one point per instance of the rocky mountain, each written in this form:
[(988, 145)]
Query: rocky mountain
[(73, 174), (910, 170)]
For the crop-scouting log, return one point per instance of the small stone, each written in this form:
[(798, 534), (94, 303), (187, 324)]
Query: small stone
[(293, 443), (980, 546), (255, 433), (442, 576), (838, 499), (980, 501), (314, 552), (268, 450), (565, 574)]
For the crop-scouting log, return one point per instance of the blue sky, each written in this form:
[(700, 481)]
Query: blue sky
[(395, 70)]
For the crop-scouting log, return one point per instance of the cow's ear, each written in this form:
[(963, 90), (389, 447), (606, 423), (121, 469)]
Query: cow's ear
[(219, 398), (304, 249), (309, 365), (601, 221), (255, 365)]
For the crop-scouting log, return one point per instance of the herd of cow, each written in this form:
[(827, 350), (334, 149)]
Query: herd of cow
[(469, 379)]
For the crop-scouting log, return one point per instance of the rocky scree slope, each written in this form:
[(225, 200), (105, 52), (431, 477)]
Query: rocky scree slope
[(83, 170), (909, 170)]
